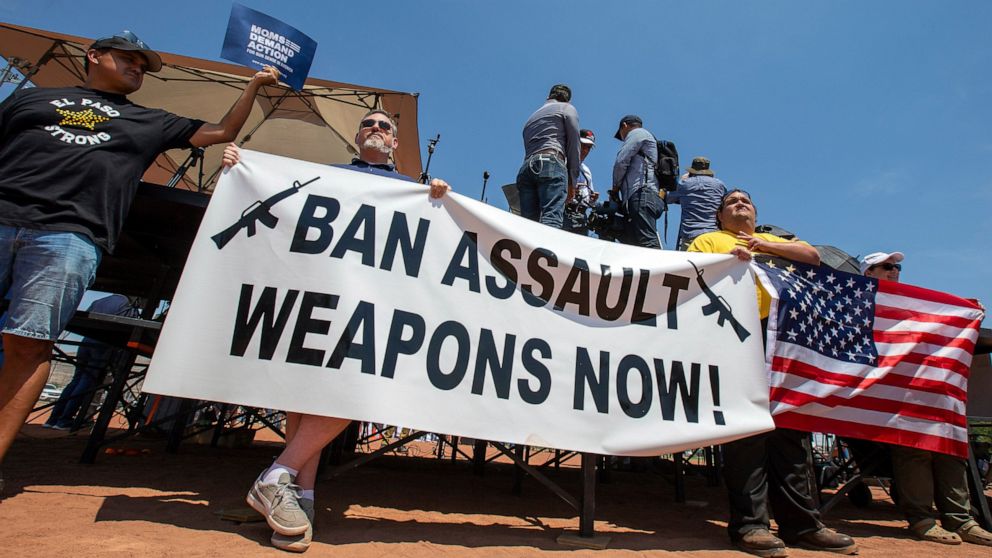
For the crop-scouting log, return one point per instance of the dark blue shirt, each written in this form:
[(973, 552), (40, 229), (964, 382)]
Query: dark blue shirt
[(384, 169)]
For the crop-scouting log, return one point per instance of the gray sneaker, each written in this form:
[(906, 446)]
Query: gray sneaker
[(297, 543), (279, 504)]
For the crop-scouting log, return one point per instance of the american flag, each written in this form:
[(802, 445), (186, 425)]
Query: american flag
[(859, 357)]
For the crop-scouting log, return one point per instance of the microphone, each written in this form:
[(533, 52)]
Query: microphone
[(485, 179)]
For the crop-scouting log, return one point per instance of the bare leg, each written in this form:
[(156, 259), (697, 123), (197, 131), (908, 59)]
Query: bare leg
[(307, 476), (27, 363), (306, 436)]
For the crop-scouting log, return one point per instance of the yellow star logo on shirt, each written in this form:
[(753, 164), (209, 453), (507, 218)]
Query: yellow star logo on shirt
[(80, 119)]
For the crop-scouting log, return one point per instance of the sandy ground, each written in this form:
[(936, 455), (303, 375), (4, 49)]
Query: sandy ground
[(159, 504)]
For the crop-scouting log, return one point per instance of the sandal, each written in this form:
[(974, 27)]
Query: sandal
[(928, 530), (973, 533)]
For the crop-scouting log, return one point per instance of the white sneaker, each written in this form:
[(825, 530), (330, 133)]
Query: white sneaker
[(279, 503)]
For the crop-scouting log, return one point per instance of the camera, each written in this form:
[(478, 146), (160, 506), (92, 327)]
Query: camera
[(606, 219)]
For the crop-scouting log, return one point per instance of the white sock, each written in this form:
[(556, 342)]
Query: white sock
[(308, 494), (272, 475)]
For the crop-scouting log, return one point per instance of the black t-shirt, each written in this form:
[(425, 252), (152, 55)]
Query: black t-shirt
[(71, 158)]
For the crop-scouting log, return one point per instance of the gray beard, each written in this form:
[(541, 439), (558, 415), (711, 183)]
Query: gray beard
[(375, 143)]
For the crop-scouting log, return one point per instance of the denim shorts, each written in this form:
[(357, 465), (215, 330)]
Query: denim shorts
[(45, 274)]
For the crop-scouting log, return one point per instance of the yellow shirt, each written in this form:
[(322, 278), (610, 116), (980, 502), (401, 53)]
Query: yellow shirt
[(722, 242)]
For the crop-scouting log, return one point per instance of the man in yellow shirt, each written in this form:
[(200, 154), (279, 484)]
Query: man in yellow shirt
[(736, 217), (771, 466)]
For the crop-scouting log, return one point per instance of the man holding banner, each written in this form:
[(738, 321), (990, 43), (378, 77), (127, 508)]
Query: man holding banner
[(284, 493), (71, 159), (769, 467)]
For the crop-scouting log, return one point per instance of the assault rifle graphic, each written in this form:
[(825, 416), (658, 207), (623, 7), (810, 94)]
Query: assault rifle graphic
[(718, 304), (258, 212)]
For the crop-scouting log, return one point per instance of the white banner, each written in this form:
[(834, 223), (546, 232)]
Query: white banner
[(345, 294)]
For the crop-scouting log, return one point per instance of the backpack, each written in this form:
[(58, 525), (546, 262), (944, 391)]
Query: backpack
[(667, 169)]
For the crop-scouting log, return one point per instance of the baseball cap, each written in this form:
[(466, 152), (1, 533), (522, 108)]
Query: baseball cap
[(587, 137), (126, 40), (629, 119), (876, 258)]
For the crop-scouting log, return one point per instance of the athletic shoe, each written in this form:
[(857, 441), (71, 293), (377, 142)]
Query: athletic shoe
[(279, 503), (297, 543)]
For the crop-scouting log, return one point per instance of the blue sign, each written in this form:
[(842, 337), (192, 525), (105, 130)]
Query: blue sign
[(255, 40)]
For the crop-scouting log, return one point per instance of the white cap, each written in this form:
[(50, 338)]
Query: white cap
[(876, 258)]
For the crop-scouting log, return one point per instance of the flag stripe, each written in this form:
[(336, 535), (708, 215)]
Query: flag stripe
[(894, 313), (819, 375), (810, 357), (882, 420), (920, 293), (899, 409), (925, 360), (865, 431), (883, 324), (936, 398), (963, 343), (960, 356)]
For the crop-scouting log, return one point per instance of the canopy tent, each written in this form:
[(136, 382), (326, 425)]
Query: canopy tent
[(316, 124)]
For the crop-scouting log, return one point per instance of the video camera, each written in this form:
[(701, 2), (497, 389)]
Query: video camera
[(606, 219)]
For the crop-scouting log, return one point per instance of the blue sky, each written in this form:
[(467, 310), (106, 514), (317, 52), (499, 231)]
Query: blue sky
[(866, 125)]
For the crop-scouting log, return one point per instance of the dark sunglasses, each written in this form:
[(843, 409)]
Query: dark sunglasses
[(132, 38), (889, 266), (382, 124)]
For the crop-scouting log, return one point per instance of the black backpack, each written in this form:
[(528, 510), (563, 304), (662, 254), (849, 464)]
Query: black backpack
[(667, 169)]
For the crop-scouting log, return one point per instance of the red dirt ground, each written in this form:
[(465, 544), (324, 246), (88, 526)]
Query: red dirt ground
[(159, 504)]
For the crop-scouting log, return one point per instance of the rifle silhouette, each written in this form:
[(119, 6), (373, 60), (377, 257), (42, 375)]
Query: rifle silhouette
[(258, 212), (717, 304)]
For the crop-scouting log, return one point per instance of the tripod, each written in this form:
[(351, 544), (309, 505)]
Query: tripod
[(431, 144), (195, 154)]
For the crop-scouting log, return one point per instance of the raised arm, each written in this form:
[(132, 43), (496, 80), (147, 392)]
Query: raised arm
[(227, 129)]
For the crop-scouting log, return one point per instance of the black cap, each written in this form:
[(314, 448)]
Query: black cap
[(127, 40), (629, 119)]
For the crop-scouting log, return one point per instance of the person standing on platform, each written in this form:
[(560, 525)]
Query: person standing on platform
[(71, 159), (284, 492), (770, 467), (585, 191), (635, 184), (699, 193), (923, 478), (546, 179)]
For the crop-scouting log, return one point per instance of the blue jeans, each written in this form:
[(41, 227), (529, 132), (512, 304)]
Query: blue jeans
[(46, 273), (65, 409), (542, 183), (641, 227)]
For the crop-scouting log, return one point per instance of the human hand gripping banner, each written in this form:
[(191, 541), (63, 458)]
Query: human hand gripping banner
[(333, 292)]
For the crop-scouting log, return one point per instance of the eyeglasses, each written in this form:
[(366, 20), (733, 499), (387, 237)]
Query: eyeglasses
[(382, 124), (888, 266)]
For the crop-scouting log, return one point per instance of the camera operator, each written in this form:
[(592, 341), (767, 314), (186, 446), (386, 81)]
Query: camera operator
[(634, 181), (585, 194)]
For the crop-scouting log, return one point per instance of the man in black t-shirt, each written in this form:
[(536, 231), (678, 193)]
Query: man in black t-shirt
[(70, 162)]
